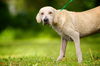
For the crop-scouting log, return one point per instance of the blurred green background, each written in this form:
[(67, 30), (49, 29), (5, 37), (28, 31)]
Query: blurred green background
[(17, 17), (21, 35)]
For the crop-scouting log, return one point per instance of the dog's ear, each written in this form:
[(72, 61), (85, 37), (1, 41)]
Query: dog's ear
[(38, 18), (56, 17)]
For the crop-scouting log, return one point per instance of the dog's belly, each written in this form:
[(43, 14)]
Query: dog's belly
[(88, 29), (84, 35)]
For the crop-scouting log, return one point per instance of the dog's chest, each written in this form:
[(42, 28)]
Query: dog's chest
[(58, 30), (61, 33)]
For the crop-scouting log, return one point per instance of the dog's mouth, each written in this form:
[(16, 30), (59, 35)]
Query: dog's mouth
[(46, 23)]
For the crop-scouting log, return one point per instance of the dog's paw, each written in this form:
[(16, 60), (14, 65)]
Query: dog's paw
[(79, 60), (59, 58)]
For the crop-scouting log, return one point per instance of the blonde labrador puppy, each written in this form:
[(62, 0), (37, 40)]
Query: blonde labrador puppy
[(70, 25)]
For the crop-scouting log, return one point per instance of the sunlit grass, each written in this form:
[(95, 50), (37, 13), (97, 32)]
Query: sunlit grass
[(43, 51)]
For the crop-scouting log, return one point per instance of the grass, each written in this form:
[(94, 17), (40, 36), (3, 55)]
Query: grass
[(44, 51)]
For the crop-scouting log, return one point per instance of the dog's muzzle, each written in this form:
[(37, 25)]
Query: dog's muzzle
[(46, 21)]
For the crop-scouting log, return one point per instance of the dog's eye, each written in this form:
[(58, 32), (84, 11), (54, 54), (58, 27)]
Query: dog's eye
[(50, 12), (42, 13)]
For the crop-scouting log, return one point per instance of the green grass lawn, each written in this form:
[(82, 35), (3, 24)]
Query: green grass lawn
[(44, 51)]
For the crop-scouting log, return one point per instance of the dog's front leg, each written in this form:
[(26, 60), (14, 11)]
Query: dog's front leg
[(62, 49), (76, 38)]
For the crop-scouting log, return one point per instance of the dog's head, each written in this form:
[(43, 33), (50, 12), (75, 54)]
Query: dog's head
[(46, 15)]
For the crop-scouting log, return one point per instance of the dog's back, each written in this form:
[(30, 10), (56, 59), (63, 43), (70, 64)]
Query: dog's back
[(87, 22)]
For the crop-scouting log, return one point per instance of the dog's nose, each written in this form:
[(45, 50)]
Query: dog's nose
[(46, 20)]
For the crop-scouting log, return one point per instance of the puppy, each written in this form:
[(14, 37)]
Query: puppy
[(70, 25)]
